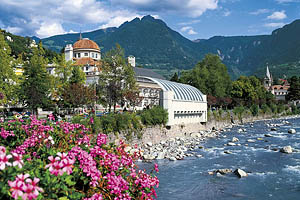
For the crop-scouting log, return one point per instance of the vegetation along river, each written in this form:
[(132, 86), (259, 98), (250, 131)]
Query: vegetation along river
[(271, 174)]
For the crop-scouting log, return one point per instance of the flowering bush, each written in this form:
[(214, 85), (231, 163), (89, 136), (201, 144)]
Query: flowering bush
[(43, 159)]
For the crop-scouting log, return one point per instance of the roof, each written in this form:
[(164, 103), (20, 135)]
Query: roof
[(280, 87), (181, 91), (86, 61), (147, 72), (85, 44)]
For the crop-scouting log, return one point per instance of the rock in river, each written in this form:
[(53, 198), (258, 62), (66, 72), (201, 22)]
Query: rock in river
[(240, 173), (286, 149), (292, 131)]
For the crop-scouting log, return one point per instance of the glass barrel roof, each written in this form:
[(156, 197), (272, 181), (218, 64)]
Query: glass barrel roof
[(181, 91)]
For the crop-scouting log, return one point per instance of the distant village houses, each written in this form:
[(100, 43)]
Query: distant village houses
[(279, 91)]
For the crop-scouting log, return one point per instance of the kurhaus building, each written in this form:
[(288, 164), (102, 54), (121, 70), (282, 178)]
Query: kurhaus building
[(185, 104)]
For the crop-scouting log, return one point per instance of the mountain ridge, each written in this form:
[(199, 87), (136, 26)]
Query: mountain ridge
[(158, 47)]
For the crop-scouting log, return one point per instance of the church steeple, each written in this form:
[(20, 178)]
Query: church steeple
[(268, 80), (80, 35)]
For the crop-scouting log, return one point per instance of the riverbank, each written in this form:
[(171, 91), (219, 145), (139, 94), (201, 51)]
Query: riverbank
[(178, 142)]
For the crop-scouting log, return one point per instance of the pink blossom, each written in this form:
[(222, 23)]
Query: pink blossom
[(156, 167), (2, 150), (18, 160), (101, 139), (4, 161), (51, 117)]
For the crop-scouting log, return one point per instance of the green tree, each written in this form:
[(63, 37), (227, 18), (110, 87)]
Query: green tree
[(8, 78), (249, 90), (210, 76), (116, 78), (294, 90), (63, 72), (175, 77), (35, 86), (77, 95), (78, 76)]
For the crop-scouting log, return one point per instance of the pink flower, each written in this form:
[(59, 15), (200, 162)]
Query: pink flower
[(2, 150), (156, 167), (4, 161), (51, 117), (17, 160), (16, 188), (101, 139)]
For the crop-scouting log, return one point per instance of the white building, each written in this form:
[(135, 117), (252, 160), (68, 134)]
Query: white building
[(131, 60), (85, 53), (185, 104)]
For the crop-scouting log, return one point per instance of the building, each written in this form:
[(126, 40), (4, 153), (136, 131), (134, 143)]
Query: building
[(184, 103), (279, 91), (131, 60), (85, 53)]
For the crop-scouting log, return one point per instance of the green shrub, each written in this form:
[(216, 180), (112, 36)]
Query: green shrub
[(154, 116), (254, 109)]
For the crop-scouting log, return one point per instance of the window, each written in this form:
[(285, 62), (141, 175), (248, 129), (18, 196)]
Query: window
[(96, 55), (92, 55), (78, 55), (86, 54), (87, 68)]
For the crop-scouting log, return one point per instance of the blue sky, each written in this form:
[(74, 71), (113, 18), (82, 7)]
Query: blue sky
[(195, 19)]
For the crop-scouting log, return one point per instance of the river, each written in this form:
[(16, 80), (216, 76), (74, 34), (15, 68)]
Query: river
[(272, 174)]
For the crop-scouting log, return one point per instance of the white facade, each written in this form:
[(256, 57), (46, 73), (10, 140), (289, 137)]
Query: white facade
[(131, 60), (185, 104), (69, 52)]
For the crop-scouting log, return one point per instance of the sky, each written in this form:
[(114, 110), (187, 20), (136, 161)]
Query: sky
[(194, 19)]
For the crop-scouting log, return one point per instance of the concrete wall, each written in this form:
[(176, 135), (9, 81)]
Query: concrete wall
[(183, 112)]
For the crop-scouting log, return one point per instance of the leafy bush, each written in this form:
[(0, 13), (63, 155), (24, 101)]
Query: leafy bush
[(41, 159), (265, 109), (154, 116), (254, 109)]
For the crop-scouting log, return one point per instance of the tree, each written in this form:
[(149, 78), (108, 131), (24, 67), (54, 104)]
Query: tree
[(35, 86), (175, 77), (294, 90), (63, 72), (249, 90), (8, 78), (210, 76), (78, 76), (116, 78), (76, 95)]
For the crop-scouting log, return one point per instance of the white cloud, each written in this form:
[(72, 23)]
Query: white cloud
[(116, 21), (188, 29), (278, 15), (227, 13), (14, 30), (51, 17), (274, 25), (50, 28), (189, 22), (260, 11), (192, 8), (192, 32)]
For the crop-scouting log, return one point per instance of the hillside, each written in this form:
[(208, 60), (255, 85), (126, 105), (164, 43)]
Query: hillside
[(21, 46), (158, 47)]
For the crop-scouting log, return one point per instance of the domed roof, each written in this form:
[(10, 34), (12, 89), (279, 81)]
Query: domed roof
[(85, 44)]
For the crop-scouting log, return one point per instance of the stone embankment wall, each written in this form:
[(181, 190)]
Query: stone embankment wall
[(159, 133)]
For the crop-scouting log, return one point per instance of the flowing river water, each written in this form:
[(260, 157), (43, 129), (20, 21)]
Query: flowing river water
[(271, 174)]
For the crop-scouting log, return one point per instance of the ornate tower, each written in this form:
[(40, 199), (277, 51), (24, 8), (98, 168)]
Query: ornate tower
[(268, 80)]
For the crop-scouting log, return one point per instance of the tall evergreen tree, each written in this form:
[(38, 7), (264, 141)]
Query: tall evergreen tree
[(8, 78), (294, 90), (36, 84), (78, 76), (116, 78)]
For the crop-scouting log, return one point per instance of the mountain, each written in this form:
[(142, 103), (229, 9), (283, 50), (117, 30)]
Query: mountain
[(164, 50)]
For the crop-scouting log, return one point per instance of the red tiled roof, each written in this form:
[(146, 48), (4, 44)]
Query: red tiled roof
[(85, 44), (87, 61)]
